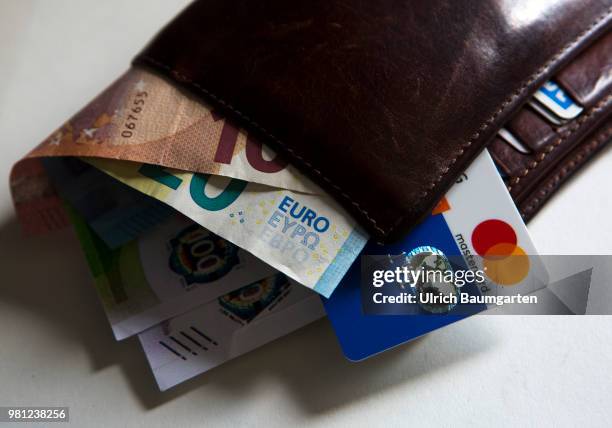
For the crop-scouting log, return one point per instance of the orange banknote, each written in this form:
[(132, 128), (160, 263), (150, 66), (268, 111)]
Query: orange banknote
[(143, 118)]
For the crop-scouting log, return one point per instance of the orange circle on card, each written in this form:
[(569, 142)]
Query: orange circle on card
[(506, 266)]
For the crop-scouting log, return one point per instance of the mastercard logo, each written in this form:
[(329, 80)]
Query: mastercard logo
[(505, 262)]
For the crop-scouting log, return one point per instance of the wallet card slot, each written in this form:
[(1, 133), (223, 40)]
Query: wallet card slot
[(527, 171), (565, 168), (531, 130), (589, 77), (507, 158)]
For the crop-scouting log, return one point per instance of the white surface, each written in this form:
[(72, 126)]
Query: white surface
[(57, 349)]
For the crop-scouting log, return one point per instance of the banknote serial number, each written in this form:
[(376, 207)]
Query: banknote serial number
[(34, 414), (134, 114)]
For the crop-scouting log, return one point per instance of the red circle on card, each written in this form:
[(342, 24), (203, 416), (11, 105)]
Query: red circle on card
[(489, 233)]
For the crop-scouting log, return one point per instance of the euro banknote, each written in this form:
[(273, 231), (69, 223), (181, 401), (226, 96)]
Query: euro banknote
[(143, 118), (38, 206), (226, 327), (308, 237), (170, 270), (114, 211)]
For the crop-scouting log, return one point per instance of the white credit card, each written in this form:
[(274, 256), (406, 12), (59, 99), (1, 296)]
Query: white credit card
[(513, 141), (557, 101), (485, 223), (226, 327), (543, 111)]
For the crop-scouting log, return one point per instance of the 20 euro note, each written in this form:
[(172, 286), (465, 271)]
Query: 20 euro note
[(308, 237), (226, 327), (165, 272)]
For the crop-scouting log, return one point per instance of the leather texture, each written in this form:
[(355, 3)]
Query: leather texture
[(557, 151), (551, 181), (590, 77), (384, 103), (531, 129)]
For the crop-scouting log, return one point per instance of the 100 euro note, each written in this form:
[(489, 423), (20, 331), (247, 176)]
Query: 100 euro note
[(310, 238), (167, 271)]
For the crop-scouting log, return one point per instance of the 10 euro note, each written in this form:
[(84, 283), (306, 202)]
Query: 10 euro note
[(143, 118), (310, 238)]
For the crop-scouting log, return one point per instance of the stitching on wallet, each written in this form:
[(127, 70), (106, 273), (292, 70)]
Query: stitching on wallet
[(552, 146), (510, 99), (183, 78), (567, 169), (437, 180)]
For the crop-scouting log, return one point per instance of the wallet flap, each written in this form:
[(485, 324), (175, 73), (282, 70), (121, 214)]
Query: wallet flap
[(383, 103)]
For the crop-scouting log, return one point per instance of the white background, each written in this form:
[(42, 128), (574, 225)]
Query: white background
[(57, 349)]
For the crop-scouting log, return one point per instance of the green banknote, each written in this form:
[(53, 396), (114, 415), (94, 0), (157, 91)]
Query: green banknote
[(167, 271)]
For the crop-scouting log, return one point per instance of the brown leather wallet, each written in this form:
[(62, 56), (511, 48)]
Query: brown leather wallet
[(384, 103)]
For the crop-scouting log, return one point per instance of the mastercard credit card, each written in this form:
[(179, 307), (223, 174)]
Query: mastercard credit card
[(477, 219)]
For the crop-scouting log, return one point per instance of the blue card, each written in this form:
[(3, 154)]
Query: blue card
[(362, 336), (476, 219), (558, 101)]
